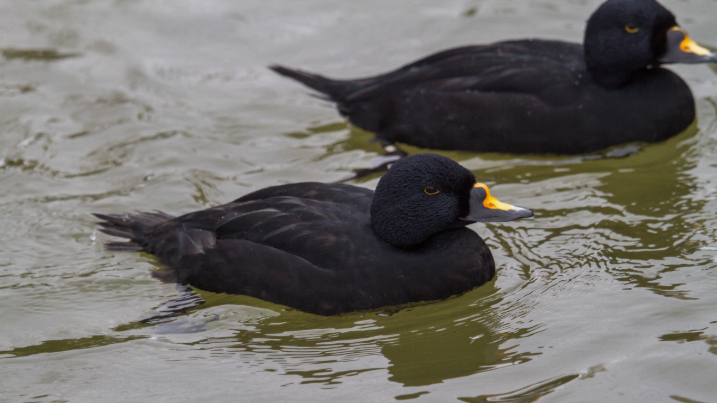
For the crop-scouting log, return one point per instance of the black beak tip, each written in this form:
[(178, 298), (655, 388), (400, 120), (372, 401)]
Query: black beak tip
[(522, 212)]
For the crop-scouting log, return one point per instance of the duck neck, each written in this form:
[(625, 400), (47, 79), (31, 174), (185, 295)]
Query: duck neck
[(397, 228), (606, 71)]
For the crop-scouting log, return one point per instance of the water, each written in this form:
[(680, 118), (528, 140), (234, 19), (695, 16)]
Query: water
[(112, 106)]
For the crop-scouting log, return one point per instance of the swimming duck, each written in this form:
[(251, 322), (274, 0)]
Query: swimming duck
[(331, 248), (534, 96)]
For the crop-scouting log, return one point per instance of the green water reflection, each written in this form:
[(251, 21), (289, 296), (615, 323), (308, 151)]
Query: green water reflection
[(424, 344)]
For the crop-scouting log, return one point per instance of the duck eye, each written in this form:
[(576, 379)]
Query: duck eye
[(631, 28), (431, 190)]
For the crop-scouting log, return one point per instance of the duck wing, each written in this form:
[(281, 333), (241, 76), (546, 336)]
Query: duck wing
[(519, 96), (275, 244), (298, 218)]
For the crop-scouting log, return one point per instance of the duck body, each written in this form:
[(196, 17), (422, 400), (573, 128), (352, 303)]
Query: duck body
[(528, 96), (310, 246), (531, 96)]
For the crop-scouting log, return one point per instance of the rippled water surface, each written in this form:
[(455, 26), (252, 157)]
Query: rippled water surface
[(608, 294)]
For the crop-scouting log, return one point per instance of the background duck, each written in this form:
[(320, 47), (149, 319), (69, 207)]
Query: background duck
[(332, 248), (534, 96)]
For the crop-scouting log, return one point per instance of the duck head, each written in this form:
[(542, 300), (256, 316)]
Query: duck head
[(625, 36), (424, 194)]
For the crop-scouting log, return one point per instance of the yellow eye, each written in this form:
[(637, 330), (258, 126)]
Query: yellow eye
[(431, 191), (630, 28)]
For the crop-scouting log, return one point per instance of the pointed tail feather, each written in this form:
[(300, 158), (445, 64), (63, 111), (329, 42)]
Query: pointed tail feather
[(130, 226), (336, 90)]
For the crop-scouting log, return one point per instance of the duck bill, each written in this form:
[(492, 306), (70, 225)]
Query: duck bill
[(682, 49), (486, 208)]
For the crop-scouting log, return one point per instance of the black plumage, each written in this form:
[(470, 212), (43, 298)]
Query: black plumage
[(331, 248), (534, 96)]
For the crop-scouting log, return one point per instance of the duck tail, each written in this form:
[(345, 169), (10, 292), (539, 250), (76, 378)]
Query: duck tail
[(130, 226), (335, 90)]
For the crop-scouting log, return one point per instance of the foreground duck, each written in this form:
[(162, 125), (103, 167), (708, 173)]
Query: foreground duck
[(331, 248), (534, 96)]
